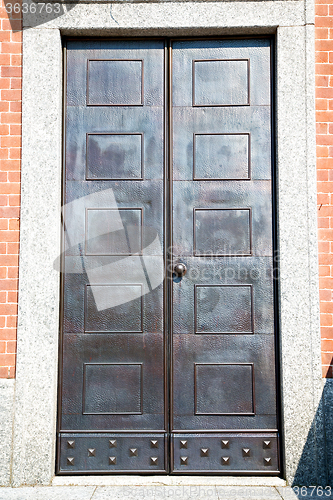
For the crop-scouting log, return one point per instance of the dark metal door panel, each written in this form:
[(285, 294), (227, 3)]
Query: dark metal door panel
[(114, 412), (224, 377), (112, 375)]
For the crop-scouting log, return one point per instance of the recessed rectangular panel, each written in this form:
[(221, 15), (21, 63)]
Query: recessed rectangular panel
[(223, 389), (223, 82), (115, 82), (222, 232), (112, 388), (106, 234), (113, 308), (114, 156), (221, 156), (223, 309)]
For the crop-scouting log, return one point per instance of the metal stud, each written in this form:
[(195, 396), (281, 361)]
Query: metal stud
[(153, 460), (224, 443), (246, 452), (70, 460), (133, 452), (266, 444), (112, 460), (71, 444), (112, 443), (183, 444), (183, 460), (204, 452), (154, 443), (91, 452), (267, 461), (225, 460)]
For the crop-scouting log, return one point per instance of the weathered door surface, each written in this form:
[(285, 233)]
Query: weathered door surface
[(168, 341)]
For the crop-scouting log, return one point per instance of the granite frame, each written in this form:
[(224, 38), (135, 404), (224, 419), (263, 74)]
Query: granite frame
[(35, 400)]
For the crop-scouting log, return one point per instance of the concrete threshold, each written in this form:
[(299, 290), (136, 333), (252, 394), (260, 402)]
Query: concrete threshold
[(135, 480)]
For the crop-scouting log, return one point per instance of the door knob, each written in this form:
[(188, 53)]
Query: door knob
[(180, 269)]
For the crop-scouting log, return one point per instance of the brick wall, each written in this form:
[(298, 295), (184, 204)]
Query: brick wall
[(324, 116), (10, 154)]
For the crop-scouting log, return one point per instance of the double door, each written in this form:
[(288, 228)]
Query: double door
[(167, 359)]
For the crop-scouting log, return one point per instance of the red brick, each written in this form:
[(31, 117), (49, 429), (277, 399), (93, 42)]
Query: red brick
[(9, 236), (321, 69), (324, 259), (327, 371), (15, 153), (4, 106), (17, 38), (321, 33), (323, 222), (4, 59), (9, 141), (11, 347), (321, 81), (4, 83), (11, 71), (16, 106), (2, 347), (325, 163), (15, 47), (323, 246), (10, 165), (11, 95), (326, 319), (327, 358), (4, 153), (2, 321), (13, 248), (327, 346), (321, 10), (10, 212), (324, 93), (11, 117), (14, 200), (321, 128), (12, 297), (16, 83), (323, 199), (325, 234), (326, 283), (326, 332), (12, 272), (10, 187), (8, 260), (325, 187), (4, 371), (15, 129), (322, 175), (322, 152), (325, 211), (13, 24), (9, 309), (324, 271), (8, 334), (16, 59), (4, 129), (322, 57), (321, 104), (11, 321), (7, 359)]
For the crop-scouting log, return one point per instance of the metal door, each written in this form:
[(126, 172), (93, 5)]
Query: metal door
[(167, 348)]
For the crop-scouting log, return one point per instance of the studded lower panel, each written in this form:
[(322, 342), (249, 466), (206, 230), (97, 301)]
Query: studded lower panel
[(111, 453), (226, 453)]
